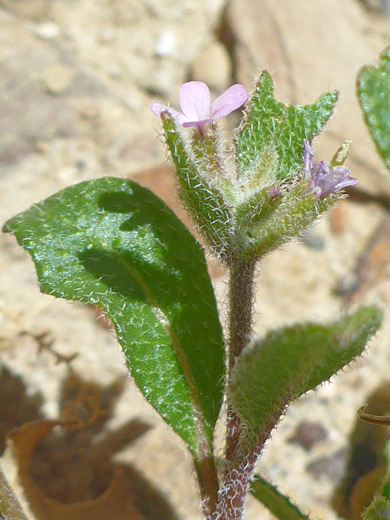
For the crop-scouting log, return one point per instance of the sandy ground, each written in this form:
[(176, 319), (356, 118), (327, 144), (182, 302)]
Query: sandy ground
[(76, 82)]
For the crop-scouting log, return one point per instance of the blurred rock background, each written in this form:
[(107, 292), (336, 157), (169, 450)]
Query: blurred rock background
[(77, 78)]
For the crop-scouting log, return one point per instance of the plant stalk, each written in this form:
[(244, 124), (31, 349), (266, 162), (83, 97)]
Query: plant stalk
[(241, 298), (208, 484)]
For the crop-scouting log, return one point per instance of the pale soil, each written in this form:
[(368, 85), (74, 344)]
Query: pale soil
[(76, 82)]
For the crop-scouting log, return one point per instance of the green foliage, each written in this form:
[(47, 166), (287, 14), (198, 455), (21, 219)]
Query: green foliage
[(279, 505), (113, 243), (373, 89), (379, 509), (386, 483), (380, 506), (266, 202), (204, 202), (270, 224), (291, 361), (272, 133)]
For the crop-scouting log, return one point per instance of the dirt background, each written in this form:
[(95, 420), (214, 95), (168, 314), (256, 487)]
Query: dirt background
[(77, 78)]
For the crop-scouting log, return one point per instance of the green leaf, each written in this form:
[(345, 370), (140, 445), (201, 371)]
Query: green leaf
[(291, 361), (279, 505), (270, 124), (112, 243), (373, 90), (386, 483), (379, 509)]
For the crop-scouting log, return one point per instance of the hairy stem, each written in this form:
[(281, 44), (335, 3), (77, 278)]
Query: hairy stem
[(240, 305), (241, 297), (10, 508), (235, 486)]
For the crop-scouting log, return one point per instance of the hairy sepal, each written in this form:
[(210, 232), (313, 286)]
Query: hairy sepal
[(274, 130), (204, 202), (267, 223), (289, 362)]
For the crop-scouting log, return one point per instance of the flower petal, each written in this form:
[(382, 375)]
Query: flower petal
[(341, 178), (325, 181), (158, 109), (307, 158), (322, 179), (234, 97), (196, 124), (195, 100)]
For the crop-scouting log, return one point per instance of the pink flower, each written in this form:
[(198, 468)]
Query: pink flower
[(196, 104), (322, 180)]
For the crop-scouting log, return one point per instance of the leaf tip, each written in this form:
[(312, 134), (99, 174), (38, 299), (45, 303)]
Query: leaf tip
[(6, 227)]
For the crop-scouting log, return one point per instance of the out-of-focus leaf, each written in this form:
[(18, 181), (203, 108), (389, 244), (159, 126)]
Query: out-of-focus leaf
[(386, 485), (10, 507), (113, 243), (373, 90), (379, 509)]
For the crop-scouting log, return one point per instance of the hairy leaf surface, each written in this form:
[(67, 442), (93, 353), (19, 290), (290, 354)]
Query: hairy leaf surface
[(291, 361), (279, 505), (270, 124), (113, 243), (373, 89)]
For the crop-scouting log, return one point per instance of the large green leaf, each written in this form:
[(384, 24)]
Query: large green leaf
[(273, 128), (373, 89), (279, 505), (113, 243), (288, 362)]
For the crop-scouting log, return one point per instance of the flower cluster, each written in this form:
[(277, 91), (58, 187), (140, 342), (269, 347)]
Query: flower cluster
[(266, 201), (322, 179)]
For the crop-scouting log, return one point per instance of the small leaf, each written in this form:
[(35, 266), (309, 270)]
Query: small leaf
[(373, 90), (291, 361), (113, 243), (270, 123), (279, 505)]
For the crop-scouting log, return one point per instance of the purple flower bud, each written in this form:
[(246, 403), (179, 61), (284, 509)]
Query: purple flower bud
[(196, 104), (322, 179), (274, 191)]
